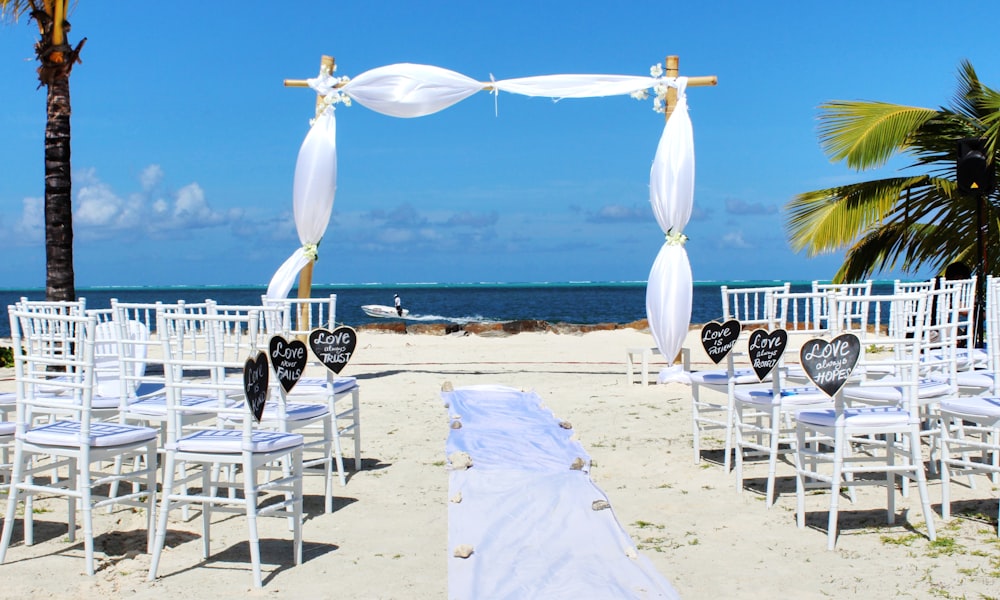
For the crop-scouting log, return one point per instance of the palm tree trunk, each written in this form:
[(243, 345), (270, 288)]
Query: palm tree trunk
[(59, 278)]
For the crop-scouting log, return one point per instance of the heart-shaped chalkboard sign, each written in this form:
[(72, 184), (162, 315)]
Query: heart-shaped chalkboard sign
[(829, 364), (765, 350), (719, 338), (334, 348), (255, 381), (288, 359)]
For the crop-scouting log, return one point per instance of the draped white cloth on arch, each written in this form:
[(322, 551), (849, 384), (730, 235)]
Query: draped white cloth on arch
[(413, 90)]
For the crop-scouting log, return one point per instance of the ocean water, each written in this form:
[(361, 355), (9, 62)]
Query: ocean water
[(579, 303)]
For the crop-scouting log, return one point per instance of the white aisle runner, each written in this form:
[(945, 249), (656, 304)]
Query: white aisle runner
[(536, 524)]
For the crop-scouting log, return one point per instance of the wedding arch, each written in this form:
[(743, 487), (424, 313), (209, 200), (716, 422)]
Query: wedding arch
[(414, 90)]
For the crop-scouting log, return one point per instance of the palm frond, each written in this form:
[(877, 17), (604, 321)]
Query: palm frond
[(964, 100), (867, 134), (829, 220)]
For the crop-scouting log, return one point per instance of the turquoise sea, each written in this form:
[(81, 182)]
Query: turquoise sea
[(573, 302)]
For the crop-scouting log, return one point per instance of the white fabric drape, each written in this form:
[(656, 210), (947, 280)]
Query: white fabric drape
[(410, 90), (313, 191), (671, 194), (413, 90)]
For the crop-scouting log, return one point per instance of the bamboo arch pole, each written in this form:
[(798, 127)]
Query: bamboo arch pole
[(326, 66), (672, 69)]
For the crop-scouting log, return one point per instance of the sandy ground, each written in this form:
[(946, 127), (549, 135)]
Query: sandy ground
[(387, 537)]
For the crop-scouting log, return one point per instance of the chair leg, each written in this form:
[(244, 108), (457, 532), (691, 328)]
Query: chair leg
[(739, 448), (925, 502), (772, 461), (726, 461), (356, 403), (85, 488), (328, 427), (297, 505), (890, 481), (944, 457), (161, 526), (251, 499), (13, 495), (74, 474), (800, 480), (151, 455), (835, 481)]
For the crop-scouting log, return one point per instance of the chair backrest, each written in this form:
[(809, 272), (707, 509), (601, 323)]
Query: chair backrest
[(134, 325), (992, 334), (852, 310), (900, 354), (305, 314), (943, 328), (267, 321), (912, 287), (753, 305), (53, 352), (965, 303), (56, 307), (228, 339), (804, 312)]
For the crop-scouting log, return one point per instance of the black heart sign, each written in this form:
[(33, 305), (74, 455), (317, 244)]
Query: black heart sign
[(829, 364), (765, 350), (255, 380), (334, 348), (288, 359), (719, 338)]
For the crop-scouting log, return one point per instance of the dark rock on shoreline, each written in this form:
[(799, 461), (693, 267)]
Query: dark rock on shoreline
[(499, 329)]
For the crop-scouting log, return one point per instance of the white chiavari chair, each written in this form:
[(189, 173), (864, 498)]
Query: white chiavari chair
[(889, 434), (232, 465), (72, 440)]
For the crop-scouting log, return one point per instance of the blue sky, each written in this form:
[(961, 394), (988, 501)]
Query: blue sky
[(185, 140)]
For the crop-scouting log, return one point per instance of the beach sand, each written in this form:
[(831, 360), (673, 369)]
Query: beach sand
[(387, 537)]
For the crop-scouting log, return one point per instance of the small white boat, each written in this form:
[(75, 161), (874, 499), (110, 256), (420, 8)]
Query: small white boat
[(385, 312)]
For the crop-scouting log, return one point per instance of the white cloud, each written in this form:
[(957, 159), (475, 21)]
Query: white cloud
[(31, 225), (99, 212), (151, 177), (734, 239)]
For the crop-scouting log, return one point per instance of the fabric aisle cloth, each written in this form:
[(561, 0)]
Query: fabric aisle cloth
[(538, 525)]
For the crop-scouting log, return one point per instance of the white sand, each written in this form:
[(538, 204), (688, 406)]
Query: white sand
[(388, 535)]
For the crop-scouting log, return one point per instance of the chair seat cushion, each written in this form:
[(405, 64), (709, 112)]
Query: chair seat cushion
[(792, 395), (865, 416), (926, 388), (975, 379), (721, 377), (294, 411), (978, 406), (7, 428), (8, 399), (230, 441), (102, 434), (317, 385), (156, 406)]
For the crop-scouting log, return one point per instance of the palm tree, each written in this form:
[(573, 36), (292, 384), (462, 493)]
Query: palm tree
[(910, 223), (56, 58)]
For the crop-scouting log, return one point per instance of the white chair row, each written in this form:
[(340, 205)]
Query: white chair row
[(904, 385), (194, 390)]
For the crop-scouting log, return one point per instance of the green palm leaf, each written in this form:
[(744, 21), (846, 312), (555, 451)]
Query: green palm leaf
[(867, 134), (901, 223)]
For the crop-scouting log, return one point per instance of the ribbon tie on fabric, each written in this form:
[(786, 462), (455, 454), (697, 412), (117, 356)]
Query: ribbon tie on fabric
[(328, 88), (496, 96), (311, 251), (676, 238)]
